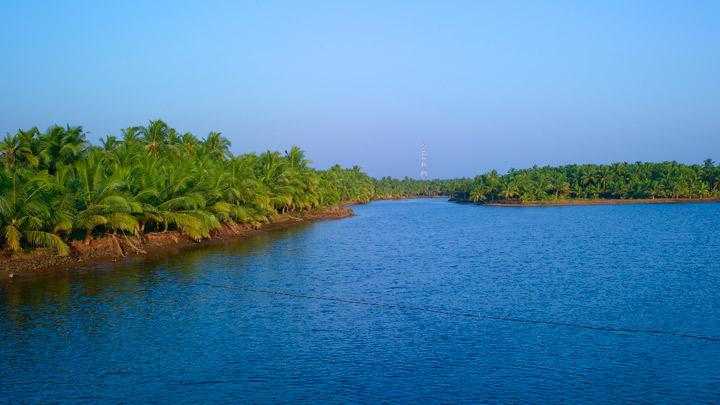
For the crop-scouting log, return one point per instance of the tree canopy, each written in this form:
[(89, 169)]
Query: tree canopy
[(56, 187), (640, 180)]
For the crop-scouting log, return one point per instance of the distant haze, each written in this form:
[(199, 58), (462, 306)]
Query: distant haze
[(485, 84)]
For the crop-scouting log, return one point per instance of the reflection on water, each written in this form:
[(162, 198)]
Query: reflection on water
[(160, 329), (119, 281)]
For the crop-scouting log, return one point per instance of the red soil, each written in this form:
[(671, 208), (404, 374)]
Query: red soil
[(113, 248)]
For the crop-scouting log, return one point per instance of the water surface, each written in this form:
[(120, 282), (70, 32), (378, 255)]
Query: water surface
[(183, 329)]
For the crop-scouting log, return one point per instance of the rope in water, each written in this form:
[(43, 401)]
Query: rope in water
[(467, 314)]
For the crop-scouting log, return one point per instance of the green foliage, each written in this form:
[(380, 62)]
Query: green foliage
[(388, 187), (54, 186), (639, 180)]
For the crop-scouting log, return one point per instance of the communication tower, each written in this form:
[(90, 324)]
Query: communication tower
[(423, 163)]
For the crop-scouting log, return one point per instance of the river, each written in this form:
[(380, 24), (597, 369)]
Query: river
[(409, 301)]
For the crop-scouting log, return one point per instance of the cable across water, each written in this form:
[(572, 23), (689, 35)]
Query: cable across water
[(464, 313)]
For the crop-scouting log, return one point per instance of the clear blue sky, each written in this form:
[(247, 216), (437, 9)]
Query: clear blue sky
[(486, 84)]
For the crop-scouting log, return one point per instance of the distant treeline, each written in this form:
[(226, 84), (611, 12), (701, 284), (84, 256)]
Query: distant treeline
[(388, 187), (55, 187), (615, 181)]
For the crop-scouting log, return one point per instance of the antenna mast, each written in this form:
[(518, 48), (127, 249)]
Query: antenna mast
[(423, 163)]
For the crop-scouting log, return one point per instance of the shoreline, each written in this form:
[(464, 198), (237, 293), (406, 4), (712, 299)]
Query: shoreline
[(396, 198), (109, 248), (596, 201), (411, 197)]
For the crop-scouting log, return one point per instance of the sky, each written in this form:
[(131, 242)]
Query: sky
[(484, 84)]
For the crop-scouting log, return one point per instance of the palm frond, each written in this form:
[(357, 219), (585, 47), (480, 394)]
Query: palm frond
[(47, 239)]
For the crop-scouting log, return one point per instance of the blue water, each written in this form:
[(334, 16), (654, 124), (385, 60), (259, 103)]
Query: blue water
[(183, 329)]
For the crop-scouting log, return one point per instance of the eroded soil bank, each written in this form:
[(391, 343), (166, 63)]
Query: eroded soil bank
[(113, 248)]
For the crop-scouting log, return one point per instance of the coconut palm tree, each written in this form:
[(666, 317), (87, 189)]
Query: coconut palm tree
[(25, 215), (217, 146), (109, 143), (61, 145), (15, 148), (101, 200), (477, 195), (155, 136)]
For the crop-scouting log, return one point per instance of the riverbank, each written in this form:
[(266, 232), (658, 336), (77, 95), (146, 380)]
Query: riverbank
[(408, 197), (597, 201), (395, 198), (114, 248)]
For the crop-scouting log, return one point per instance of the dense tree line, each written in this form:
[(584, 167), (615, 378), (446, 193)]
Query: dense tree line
[(388, 187), (639, 180), (55, 187)]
